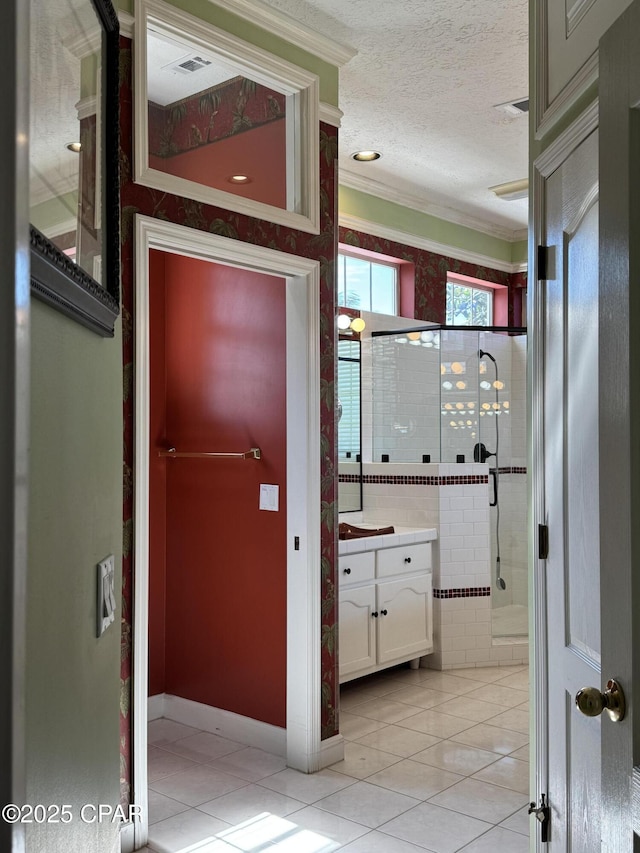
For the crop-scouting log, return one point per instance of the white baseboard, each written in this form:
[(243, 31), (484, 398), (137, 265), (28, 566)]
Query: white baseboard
[(226, 724), (127, 837), (331, 750), (236, 727)]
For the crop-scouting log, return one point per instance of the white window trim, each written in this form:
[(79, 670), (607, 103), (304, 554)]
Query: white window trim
[(383, 262), (473, 284), (300, 86)]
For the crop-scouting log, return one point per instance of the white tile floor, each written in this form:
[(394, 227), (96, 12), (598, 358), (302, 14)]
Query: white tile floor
[(434, 761)]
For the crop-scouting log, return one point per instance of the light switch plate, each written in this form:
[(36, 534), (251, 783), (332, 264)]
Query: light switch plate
[(269, 497), (106, 602)]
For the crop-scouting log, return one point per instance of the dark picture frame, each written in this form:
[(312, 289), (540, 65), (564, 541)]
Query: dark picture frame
[(57, 279)]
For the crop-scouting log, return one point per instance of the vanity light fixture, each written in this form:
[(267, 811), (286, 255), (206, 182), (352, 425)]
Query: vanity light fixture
[(358, 324), (366, 156), (76, 147), (343, 321)]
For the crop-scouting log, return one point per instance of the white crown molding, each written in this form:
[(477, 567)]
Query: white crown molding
[(126, 21), (330, 114), (521, 234), (303, 136), (87, 107), (448, 214), (280, 24), (275, 22), (327, 112), (354, 223)]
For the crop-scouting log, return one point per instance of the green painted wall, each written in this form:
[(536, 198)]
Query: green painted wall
[(255, 35), (75, 519), (392, 215), (519, 251), (51, 214)]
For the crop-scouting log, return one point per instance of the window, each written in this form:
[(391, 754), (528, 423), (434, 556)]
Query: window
[(349, 399), (367, 285), (469, 304)]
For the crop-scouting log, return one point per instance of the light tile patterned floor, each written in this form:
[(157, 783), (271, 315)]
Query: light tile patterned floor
[(434, 762)]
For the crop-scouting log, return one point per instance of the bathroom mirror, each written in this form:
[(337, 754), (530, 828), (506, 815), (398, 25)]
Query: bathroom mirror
[(349, 426), (223, 122), (73, 159)]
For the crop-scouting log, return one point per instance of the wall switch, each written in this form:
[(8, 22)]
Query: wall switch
[(106, 603), (269, 497)]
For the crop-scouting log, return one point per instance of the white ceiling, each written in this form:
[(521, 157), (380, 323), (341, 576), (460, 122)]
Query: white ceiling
[(422, 90), (165, 84)]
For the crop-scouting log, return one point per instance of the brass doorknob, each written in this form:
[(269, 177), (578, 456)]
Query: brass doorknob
[(591, 702)]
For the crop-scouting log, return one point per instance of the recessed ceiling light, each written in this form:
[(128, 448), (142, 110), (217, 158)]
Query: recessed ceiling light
[(76, 147), (239, 179), (366, 156)]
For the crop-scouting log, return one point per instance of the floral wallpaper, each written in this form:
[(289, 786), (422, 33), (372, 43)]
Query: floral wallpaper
[(431, 275), (216, 113), (323, 247)]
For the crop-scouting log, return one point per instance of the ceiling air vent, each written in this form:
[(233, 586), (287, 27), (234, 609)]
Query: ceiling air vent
[(515, 108), (187, 65)]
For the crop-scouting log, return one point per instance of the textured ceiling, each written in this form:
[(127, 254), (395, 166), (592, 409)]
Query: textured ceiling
[(422, 90)]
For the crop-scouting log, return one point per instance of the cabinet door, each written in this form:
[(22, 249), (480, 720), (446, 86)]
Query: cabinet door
[(357, 629), (404, 623)]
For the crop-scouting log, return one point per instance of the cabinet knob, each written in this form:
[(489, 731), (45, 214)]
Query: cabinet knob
[(384, 612), (375, 614), (407, 559), (347, 571)]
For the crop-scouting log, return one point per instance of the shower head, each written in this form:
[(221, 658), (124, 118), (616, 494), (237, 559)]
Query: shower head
[(482, 353)]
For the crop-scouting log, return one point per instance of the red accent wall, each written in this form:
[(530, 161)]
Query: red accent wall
[(135, 199), (226, 567), (258, 153)]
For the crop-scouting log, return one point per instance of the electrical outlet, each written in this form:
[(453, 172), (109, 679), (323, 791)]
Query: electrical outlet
[(106, 603)]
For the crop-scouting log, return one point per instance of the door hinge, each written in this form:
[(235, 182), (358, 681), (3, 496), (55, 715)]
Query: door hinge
[(543, 541), (543, 815), (543, 262)]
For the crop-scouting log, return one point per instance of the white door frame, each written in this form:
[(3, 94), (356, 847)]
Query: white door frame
[(544, 166), (303, 744)]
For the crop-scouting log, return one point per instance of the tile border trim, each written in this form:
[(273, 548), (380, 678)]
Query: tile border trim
[(464, 592)]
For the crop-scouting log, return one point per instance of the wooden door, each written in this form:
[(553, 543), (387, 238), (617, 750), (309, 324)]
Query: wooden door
[(571, 436), (589, 344)]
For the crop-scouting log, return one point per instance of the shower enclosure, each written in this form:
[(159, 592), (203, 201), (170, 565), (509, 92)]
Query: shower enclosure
[(453, 395)]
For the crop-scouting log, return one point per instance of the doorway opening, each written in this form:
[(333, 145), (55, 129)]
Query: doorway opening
[(293, 728)]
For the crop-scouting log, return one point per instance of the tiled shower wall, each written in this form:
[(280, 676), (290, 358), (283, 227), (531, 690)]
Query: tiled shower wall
[(454, 498)]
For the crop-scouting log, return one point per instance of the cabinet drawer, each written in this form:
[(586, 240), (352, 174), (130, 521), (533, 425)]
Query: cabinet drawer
[(404, 559), (354, 568)]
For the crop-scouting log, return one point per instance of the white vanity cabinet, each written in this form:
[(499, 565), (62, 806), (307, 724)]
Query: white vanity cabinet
[(385, 614)]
